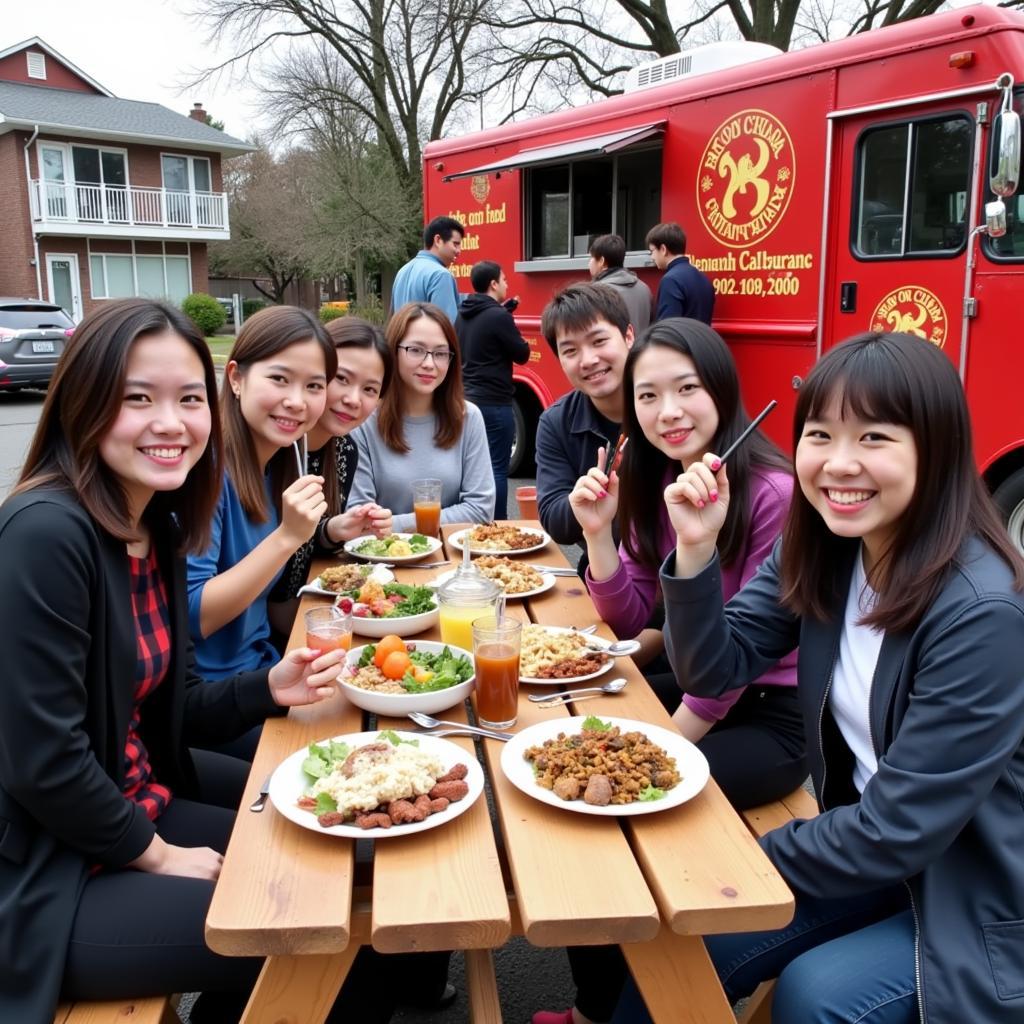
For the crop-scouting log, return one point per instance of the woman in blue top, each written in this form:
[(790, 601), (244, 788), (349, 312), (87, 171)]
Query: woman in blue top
[(274, 391), (899, 584)]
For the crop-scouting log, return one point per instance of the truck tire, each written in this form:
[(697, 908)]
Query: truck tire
[(1009, 496), (521, 461)]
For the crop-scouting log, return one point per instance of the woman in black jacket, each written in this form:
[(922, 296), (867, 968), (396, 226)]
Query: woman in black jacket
[(111, 830), (897, 580)]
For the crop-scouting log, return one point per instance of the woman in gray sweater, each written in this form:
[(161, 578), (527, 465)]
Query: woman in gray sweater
[(424, 427)]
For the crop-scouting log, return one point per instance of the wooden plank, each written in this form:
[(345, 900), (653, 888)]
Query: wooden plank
[(801, 804), (153, 1010), (482, 987), (676, 979), (298, 989), (759, 1006), (61, 1013)]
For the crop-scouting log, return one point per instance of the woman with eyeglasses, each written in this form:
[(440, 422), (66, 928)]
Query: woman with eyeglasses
[(424, 427)]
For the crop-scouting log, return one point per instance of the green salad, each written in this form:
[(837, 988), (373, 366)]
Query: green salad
[(396, 546), (430, 672), (390, 601)]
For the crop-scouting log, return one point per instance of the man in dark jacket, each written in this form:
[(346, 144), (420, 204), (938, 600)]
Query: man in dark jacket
[(490, 343), (587, 327), (607, 256), (684, 290)]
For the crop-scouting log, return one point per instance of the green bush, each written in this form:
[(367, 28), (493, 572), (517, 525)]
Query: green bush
[(372, 309), (206, 312), (329, 313), (250, 306)]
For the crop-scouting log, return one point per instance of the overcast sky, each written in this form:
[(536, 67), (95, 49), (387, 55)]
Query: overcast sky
[(138, 49)]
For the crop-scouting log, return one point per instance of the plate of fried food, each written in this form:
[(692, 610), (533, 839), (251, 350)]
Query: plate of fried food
[(555, 655), (373, 785), (500, 538), (612, 767), (341, 579), (517, 579)]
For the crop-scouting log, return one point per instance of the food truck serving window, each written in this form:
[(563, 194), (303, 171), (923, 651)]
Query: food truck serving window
[(911, 188), (569, 204)]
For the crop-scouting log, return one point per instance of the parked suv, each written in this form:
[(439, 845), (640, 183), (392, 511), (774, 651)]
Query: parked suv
[(32, 336)]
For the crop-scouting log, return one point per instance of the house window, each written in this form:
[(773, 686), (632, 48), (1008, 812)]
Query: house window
[(119, 276), (101, 179), (184, 177), (912, 188), (36, 65), (570, 204)]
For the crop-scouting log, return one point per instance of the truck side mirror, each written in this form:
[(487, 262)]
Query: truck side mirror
[(1004, 167), (995, 218)]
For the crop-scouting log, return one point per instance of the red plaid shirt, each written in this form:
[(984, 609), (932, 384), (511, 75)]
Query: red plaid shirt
[(153, 645)]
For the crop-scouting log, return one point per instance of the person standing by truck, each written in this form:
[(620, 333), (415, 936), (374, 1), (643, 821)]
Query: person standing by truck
[(427, 276), (490, 344), (684, 290), (607, 256)]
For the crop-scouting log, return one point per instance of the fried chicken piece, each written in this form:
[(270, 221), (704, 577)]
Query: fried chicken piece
[(307, 803), (457, 772), (450, 790), (439, 805), (567, 787), (598, 791), (330, 818), (664, 779), (375, 819), (422, 803), (403, 811), (364, 756)]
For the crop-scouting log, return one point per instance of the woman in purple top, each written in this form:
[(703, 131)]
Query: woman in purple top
[(682, 400)]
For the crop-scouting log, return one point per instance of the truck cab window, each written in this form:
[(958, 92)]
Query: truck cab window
[(570, 204), (1011, 245), (912, 184)]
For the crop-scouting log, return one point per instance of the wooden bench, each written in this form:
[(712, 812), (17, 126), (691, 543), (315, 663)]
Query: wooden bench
[(798, 804), (155, 1010)]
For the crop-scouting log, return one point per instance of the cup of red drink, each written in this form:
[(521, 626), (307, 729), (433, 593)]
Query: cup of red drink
[(328, 629), (426, 504), (496, 645)]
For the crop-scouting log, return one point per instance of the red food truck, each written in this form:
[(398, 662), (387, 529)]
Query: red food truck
[(862, 184)]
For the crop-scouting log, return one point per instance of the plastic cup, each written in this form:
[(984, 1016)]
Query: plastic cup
[(526, 498), (426, 503), (496, 647), (328, 629)]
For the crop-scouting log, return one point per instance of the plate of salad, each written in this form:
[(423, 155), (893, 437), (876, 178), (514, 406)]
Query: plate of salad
[(396, 676), (381, 608), (396, 547)]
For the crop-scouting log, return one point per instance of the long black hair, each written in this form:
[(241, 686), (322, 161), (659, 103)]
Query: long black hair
[(644, 466)]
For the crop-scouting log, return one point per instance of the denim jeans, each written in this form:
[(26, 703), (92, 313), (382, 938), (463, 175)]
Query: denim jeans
[(501, 431), (839, 962)]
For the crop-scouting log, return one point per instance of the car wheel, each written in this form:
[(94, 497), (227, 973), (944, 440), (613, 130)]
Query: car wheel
[(522, 443), (1009, 496)]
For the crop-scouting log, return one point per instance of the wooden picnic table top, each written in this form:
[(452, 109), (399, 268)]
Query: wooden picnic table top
[(560, 878)]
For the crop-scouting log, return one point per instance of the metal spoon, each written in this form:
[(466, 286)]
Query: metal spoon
[(612, 686), (618, 649), (429, 722)]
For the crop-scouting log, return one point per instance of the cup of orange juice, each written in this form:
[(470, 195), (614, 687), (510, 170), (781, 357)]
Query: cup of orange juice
[(328, 629), (426, 504), (496, 645)]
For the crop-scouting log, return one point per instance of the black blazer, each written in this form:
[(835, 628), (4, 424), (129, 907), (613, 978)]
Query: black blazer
[(944, 813), (66, 698)]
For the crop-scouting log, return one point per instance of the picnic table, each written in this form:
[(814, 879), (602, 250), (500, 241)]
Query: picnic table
[(652, 883)]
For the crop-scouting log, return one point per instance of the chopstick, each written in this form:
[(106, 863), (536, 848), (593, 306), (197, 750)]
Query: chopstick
[(750, 428), (620, 447)]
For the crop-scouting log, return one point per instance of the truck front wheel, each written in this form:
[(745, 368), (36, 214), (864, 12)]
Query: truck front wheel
[(1009, 496), (525, 412)]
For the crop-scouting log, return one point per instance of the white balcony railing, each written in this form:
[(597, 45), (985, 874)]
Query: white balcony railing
[(75, 203)]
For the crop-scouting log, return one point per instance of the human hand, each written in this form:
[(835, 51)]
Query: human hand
[(162, 858), (302, 507), (305, 676), (380, 520), (595, 498), (697, 503)]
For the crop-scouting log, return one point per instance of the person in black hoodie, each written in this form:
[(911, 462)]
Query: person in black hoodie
[(490, 343)]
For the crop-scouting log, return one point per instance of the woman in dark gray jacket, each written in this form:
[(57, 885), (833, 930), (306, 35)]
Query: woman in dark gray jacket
[(898, 582)]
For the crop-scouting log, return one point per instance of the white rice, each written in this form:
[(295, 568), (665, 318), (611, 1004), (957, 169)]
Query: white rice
[(406, 772)]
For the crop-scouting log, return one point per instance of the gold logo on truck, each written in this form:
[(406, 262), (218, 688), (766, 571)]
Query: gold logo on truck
[(911, 309), (746, 178)]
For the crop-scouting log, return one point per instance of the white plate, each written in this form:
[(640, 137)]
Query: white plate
[(456, 541), (400, 625), (690, 763), (549, 582), (378, 573), (289, 782), (597, 641), (351, 545)]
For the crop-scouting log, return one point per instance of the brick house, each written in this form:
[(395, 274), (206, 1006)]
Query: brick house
[(102, 197)]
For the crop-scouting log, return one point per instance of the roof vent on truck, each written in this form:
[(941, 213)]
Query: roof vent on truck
[(698, 61)]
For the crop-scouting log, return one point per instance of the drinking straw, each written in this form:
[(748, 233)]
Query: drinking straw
[(619, 449), (298, 458), (751, 427), (499, 608)]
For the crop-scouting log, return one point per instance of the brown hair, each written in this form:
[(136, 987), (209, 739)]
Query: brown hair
[(84, 400), (903, 380), (449, 402), (643, 466), (263, 335), (668, 234), (610, 248)]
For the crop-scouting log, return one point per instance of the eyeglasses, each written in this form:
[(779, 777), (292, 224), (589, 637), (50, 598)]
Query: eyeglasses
[(420, 354)]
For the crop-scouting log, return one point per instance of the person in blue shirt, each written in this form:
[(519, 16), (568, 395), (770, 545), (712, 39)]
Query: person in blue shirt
[(427, 277), (274, 391), (684, 290)]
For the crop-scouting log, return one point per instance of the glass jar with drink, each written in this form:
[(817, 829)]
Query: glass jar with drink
[(426, 504), (328, 629), (496, 645), (466, 596)]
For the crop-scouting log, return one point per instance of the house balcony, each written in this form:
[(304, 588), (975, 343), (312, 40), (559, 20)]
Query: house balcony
[(118, 211)]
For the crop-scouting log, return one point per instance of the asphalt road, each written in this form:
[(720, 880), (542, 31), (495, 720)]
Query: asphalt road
[(528, 978)]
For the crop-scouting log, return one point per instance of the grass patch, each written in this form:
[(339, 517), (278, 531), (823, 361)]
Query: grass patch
[(220, 346)]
